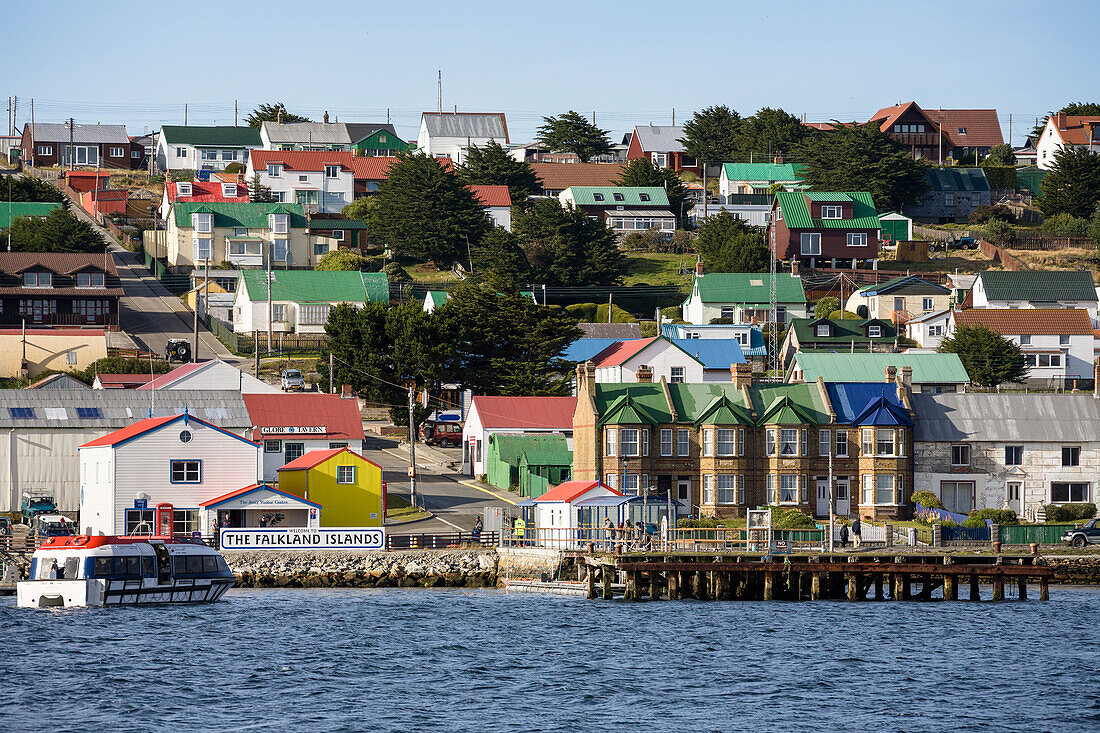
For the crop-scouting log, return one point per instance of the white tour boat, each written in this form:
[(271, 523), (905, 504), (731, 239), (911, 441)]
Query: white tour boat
[(102, 570)]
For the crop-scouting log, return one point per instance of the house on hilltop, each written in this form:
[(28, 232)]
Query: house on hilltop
[(448, 134)]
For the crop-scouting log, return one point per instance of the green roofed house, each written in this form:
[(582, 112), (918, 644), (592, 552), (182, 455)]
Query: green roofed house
[(624, 209), (837, 335), (236, 234), (953, 193), (209, 148), (375, 139), (722, 448), (929, 372), (529, 463), (823, 228), (745, 178), (301, 299), (740, 297), (1035, 289), (10, 211)]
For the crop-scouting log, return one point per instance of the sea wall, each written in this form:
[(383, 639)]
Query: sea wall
[(528, 562), (1075, 569), (349, 568)]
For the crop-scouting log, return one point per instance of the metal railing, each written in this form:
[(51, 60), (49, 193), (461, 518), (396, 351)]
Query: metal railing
[(440, 541)]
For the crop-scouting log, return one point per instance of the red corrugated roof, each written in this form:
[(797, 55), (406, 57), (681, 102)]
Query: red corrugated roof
[(570, 490), (560, 176), (163, 380), (130, 431), (620, 351), (339, 416), (312, 459), (209, 192), (1077, 129), (490, 195), (526, 412), (249, 489), (301, 160), (54, 331), (121, 379)]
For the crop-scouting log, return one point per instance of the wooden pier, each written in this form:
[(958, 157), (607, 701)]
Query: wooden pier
[(756, 577)]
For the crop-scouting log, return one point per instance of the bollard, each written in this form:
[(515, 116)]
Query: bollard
[(997, 547), (591, 583), (1034, 548), (769, 586)]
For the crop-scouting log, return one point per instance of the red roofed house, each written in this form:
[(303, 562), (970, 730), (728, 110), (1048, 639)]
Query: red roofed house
[(348, 487), (177, 459), (497, 202), (648, 360), (215, 191), (81, 181), (1066, 131), (662, 145), (556, 177), (291, 425), (937, 133), (105, 201), (557, 507), (322, 181), (512, 416)]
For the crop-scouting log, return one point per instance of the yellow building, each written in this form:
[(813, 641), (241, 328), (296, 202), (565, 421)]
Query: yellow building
[(346, 485), (61, 349)]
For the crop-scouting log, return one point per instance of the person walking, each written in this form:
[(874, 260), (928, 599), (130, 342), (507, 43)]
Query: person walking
[(844, 535), (477, 528), (856, 530)]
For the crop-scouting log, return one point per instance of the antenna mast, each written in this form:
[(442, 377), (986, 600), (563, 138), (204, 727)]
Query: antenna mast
[(440, 83), (773, 333)]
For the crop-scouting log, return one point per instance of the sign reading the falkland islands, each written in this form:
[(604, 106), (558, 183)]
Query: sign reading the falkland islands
[(329, 538)]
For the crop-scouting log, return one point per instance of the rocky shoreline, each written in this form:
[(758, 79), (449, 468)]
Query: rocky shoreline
[(364, 569)]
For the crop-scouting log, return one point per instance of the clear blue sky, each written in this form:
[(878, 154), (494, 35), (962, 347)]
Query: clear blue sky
[(138, 63)]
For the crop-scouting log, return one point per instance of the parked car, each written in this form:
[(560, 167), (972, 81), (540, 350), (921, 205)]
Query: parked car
[(35, 503), (1081, 536), (5, 527), (291, 381), (444, 433), (177, 350), (53, 525)]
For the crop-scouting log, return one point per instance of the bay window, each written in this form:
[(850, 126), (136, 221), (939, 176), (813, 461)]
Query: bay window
[(788, 441), (630, 483), (726, 437), (770, 484), (884, 488), (611, 441), (726, 489), (884, 442), (628, 443), (868, 490), (769, 441), (788, 488), (868, 441), (708, 441), (708, 488)]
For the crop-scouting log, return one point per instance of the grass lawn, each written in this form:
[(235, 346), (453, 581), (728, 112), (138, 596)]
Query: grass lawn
[(429, 274), (963, 260), (658, 268), (398, 509)]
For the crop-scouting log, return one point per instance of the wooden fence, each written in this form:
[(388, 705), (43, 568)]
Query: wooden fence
[(281, 343), (997, 254), (1045, 242)]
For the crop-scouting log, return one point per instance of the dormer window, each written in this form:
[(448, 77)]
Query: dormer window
[(823, 330), (229, 190), (331, 171), (278, 223), (832, 212), (643, 196), (38, 279), (617, 196), (381, 138), (89, 279), (183, 189), (274, 170), (874, 331), (203, 223), (597, 196), (962, 130)]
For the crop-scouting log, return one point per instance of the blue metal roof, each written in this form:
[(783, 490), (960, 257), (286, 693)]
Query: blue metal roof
[(713, 353), (620, 500), (756, 346), (850, 399), (584, 349)]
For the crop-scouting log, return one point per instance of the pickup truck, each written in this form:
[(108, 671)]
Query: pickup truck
[(1081, 536), (291, 381)]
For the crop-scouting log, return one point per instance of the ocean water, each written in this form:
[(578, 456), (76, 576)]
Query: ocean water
[(483, 660)]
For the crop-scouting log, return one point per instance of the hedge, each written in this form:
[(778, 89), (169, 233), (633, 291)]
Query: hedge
[(1000, 176), (927, 499), (1000, 517), (1070, 512)]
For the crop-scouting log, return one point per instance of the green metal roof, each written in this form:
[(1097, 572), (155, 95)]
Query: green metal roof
[(318, 286), (625, 411), (315, 224), (586, 195), (722, 411), (785, 411), (927, 368), (233, 215), (222, 135), (845, 331), (906, 284), (750, 288), (1040, 285), (956, 179), (20, 209), (771, 172), (543, 450), (796, 213), (701, 403)]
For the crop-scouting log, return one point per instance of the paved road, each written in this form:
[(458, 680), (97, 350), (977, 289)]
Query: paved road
[(455, 504)]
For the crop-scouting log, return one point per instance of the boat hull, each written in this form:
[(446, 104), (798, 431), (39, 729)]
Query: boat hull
[(81, 593)]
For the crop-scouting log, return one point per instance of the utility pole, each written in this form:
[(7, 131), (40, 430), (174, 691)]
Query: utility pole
[(235, 113), (270, 308), (331, 371), (185, 114), (412, 443), (439, 83), (256, 350), (72, 151), (609, 306), (34, 160), (832, 502), (1010, 129)]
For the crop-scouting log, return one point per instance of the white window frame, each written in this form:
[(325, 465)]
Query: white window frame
[(278, 313), (770, 444), (725, 489), (676, 375), (885, 482), (962, 450), (229, 190), (857, 239), (708, 442), (659, 159), (280, 250), (730, 442), (824, 442), (342, 474), (841, 443), (203, 223), (666, 441), (338, 235), (279, 223), (772, 496), (708, 489), (116, 152), (202, 243), (927, 304), (791, 479), (822, 329), (629, 442), (183, 188), (683, 442), (788, 445), (611, 441), (181, 152), (832, 211), (881, 436), (274, 170), (45, 149), (313, 314), (332, 170), (810, 244), (631, 484), (874, 332)]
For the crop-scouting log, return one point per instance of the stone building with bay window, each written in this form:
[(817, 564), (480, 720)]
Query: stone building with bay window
[(722, 448)]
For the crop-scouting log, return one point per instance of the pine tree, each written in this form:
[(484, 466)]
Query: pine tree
[(1072, 185), (710, 135), (424, 212), (500, 260), (768, 133), (61, 231), (642, 172), (270, 113), (728, 244), (565, 247), (988, 357), (573, 133), (491, 165), (258, 193)]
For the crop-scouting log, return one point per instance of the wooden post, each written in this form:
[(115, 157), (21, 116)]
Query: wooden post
[(605, 571), (853, 587), (998, 587), (631, 585), (950, 589), (654, 591), (878, 587), (769, 585), (673, 585), (925, 587), (906, 587), (721, 585), (700, 584), (1044, 589), (1021, 585), (815, 586), (974, 594), (896, 592), (591, 583), (796, 586)]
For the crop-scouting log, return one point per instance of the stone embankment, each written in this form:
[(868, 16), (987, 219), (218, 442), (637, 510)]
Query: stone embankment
[(1075, 569), (475, 568)]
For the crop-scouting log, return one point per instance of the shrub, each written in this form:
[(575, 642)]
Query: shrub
[(342, 259), (1002, 517), (618, 315), (982, 214), (701, 523), (949, 523), (791, 519), (825, 306), (649, 329), (583, 312), (1000, 233), (234, 168), (672, 313), (1070, 512), (837, 315), (1066, 225), (1000, 176), (927, 500)]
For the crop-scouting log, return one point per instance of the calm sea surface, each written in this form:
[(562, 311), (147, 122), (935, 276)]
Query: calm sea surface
[(455, 660)]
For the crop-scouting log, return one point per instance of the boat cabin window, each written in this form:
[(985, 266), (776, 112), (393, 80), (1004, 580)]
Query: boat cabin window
[(209, 564), (118, 567)]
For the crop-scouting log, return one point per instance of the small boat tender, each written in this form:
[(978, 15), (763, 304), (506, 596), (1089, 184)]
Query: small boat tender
[(93, 570)]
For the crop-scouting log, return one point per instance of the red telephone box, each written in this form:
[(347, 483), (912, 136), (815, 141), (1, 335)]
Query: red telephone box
[(164, 519)]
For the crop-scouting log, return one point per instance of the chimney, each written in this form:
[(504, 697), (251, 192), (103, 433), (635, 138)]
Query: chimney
[(779, 160), (326, 116), (699, 266), (741, 374), (794, 266), (586, 380), (1096, 380), (891, 374), (645, 374), (1061, 121), (345, 392), (279, 117), (905, 377), (240, 179), (169, 177)]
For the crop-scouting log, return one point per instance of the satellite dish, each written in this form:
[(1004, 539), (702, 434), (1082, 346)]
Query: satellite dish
[(862, 311)]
